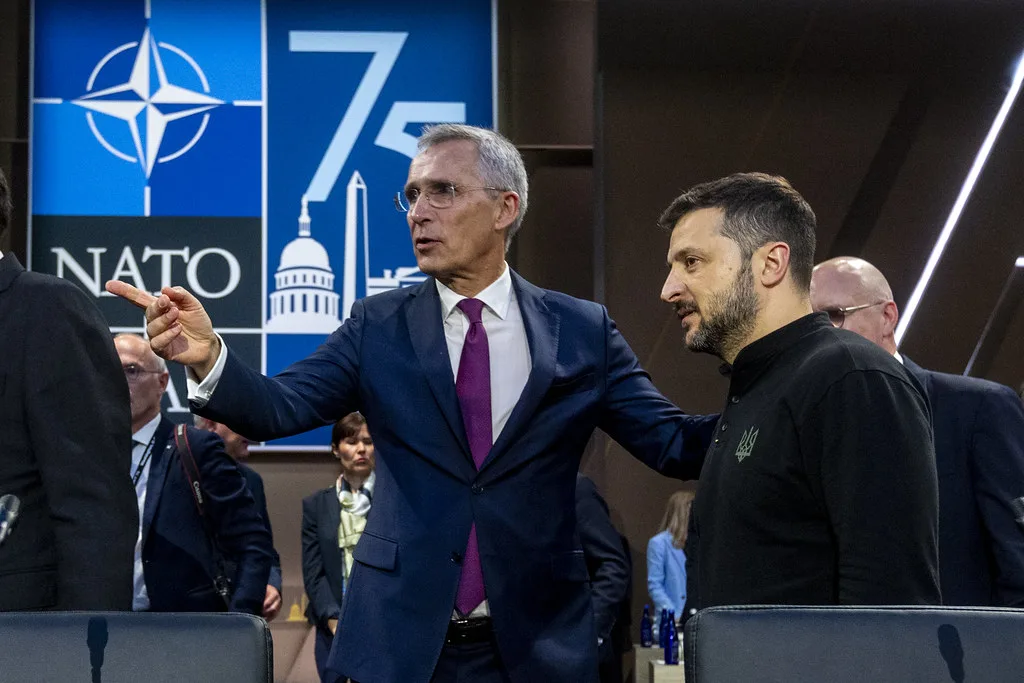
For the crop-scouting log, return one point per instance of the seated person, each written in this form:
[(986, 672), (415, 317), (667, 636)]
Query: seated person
[(332, 522)]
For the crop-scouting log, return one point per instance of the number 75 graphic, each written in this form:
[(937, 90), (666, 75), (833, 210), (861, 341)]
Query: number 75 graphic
[(385, 47)]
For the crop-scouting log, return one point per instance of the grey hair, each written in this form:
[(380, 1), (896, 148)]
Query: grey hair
[(501, 164), (201, 422)]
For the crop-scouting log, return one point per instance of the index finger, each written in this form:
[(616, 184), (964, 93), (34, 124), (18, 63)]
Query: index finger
[(129, 293)]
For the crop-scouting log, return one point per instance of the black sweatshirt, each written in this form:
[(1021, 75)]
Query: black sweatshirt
[(820, 486)]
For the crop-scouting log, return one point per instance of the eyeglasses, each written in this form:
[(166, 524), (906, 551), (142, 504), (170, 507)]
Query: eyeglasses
[(837, 316), (439, 196), (134, 372)]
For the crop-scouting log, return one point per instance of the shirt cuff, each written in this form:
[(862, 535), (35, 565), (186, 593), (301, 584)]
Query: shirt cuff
[(199, 393)]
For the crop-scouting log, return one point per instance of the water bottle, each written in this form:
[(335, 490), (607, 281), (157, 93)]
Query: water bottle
[(663, 628), (671, 641), (646, 634)]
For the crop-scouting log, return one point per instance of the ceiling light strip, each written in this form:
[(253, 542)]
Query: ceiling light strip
[(961, 201)]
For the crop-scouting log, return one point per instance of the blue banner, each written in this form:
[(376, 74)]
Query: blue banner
[(247, 150)]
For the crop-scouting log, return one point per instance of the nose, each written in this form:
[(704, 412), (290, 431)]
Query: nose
[(419, 210), (673, 288)]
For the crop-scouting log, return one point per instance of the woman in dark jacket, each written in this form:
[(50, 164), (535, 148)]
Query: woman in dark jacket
[(332, 522)]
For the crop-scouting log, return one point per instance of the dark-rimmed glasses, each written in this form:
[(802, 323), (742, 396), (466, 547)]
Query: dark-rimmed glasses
[(133, 372), (837, 316), (439, 196)]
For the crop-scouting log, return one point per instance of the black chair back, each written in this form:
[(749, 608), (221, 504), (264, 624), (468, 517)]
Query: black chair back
[(855, 645), (124, 647)]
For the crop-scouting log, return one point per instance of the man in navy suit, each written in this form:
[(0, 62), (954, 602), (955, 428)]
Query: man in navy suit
[(237, 446), (979, 446), (481, 392), (175, 563)]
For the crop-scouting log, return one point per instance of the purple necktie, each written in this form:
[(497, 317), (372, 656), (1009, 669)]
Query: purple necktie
[(473, 387)]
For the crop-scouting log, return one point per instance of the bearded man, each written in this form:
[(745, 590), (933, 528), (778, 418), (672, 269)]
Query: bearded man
[(819, 487)]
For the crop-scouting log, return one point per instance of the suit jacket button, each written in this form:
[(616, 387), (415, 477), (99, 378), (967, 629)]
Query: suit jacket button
[(477, 488), (456, 557)]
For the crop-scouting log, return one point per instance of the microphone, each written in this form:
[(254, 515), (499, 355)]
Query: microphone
[(1017, 505), (10, 506)]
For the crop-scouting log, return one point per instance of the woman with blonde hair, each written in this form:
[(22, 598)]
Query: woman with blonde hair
[(666, 561)]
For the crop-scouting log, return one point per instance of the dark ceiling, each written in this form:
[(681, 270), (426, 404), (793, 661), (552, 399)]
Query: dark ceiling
[(924, 80)]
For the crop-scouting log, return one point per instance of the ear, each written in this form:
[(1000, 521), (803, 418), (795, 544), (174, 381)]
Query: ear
[(163, 380), (771, 263), (507, 210), (891, 316)]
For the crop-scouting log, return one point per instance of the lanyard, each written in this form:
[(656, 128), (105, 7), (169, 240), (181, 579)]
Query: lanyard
[(145, 458)]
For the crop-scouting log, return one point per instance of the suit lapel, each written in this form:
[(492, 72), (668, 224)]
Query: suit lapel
[(542, 329), (426, 329), (160, 462)]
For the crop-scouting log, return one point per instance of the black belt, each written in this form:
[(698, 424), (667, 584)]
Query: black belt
[(466, 631)]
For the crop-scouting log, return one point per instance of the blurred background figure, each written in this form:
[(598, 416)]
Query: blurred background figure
[(237, 447), (666, 561), (611, 575), (185, 555), (332, 522)]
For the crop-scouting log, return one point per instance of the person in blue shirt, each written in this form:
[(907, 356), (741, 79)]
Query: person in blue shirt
[(666, 561)]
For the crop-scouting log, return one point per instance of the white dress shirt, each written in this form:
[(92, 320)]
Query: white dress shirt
[(507, 344), (140, 440)]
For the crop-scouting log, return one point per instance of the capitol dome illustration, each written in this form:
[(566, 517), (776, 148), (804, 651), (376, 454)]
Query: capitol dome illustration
[(304, 300)]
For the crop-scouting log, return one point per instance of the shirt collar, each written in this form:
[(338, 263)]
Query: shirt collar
[(756, 357), (146, 431), (343, 485), (897, 356), (497, 296)]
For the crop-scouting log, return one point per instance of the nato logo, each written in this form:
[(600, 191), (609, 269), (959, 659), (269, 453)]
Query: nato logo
[(138, 111)]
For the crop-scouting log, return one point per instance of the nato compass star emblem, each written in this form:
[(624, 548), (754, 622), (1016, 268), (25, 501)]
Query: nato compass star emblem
[(147, 107)]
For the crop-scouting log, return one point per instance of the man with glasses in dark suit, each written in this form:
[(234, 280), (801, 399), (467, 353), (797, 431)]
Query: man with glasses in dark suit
[(979, 445)]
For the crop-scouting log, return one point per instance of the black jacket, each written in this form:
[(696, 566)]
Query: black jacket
[(177, 555), (65, 449), (979, 455), (321, 557)]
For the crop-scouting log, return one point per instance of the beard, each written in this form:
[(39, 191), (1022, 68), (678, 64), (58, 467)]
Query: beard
[(728, 318)]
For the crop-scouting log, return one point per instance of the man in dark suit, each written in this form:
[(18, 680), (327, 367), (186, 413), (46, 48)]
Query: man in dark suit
[(237, 446), (979, 446), (176, 564), (481, 392), (610, 570), (64, 435)]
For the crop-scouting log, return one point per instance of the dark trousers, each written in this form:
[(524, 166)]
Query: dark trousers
[(470, 663), (322, 648)]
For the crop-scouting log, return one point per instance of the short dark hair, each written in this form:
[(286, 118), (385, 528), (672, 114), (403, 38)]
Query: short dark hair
[(346, 427), (6, 207), (758, 208)]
